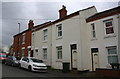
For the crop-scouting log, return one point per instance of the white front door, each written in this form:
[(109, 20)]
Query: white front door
[(28, 52), (74, 58), (95, 61)]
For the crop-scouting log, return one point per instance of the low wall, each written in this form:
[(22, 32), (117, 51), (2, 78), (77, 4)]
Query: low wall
[(108, 72)]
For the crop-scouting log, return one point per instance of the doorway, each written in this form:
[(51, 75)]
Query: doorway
[(74, 56), (95, 59)]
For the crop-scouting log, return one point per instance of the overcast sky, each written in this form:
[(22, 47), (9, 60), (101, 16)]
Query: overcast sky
[(21, 12)]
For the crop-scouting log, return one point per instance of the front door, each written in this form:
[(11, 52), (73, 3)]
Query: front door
[(95, 61), (28, 52), (74, 58)]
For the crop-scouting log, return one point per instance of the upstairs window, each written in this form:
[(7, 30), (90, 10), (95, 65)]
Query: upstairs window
[(24, 36), (93, 30), (59, 30), (45, 34), (18, 40), (109, 27)]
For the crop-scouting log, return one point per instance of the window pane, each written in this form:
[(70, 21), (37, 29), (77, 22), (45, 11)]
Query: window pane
[(93, 27), (60, 33), (45, 37), (112, 51), (108, 24), (44, 53), (112, 59), (94, 35), (109, 30), (45, 34), (59, 52), (59, 28)]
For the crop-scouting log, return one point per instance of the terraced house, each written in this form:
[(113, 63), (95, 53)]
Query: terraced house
[(102, 36), (22, 42), (85, 39), (64, 40)]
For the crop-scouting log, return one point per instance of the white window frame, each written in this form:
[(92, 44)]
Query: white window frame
[(93, 30), (24, 38), (109, 20), (44, 53), (109, 55), (59, 32), (59, 52), (45, 34), (23, 51)]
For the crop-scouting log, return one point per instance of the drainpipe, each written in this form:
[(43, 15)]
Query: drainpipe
[(18, 41)]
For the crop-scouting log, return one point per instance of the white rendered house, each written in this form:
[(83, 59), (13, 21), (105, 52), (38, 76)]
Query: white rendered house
[(103, 38), (84, 39), (69, 41)]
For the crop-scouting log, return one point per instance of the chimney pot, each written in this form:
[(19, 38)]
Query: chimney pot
[(62, 12), (30, 24)]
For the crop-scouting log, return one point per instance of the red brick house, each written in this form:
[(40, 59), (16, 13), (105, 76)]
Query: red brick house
[(22, 42)]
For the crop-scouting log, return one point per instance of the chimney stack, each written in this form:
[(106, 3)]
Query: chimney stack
[(62, 12), (30, 24)]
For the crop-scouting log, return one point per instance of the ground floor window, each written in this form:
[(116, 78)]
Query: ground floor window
[(44, 53), (23, 50), (59, 52), (112, 55)]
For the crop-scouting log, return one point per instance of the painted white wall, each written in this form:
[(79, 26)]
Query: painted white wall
[(39, 43), (102, 41), (74, 32)]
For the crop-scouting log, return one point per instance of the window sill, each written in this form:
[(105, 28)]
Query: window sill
[(59, 38), (45, 41), (59, 60), (44, 60), (93, 39), (109, 36)]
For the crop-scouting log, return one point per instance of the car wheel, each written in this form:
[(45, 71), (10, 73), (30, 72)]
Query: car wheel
[(12, 64), (5, 63), (29, 68), (19, 65)]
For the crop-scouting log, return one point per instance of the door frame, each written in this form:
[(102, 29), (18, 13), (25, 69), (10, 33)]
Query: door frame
[(72, 47), (94, 50)]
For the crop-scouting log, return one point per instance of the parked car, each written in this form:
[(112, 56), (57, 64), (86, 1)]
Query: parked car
[(11, 60), (3, 57), (32, 64)]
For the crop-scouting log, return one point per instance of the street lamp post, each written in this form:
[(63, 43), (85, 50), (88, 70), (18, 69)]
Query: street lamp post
[(18, 40)]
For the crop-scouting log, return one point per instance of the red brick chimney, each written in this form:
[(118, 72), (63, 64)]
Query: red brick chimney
[(62, 12), (30, 24)]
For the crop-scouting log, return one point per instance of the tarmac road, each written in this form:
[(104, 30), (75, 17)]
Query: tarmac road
[(9, 72)]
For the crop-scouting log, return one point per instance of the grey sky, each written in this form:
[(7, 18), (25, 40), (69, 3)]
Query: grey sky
[(22, 12)]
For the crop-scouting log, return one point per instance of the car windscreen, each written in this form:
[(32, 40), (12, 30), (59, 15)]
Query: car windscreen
[(14, 58), (1, 55), (36, 60)]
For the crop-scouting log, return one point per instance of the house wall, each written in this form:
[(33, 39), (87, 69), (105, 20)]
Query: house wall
[(74, 32), (18, 47), (69, 37), (102, 41), (39, 43)]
